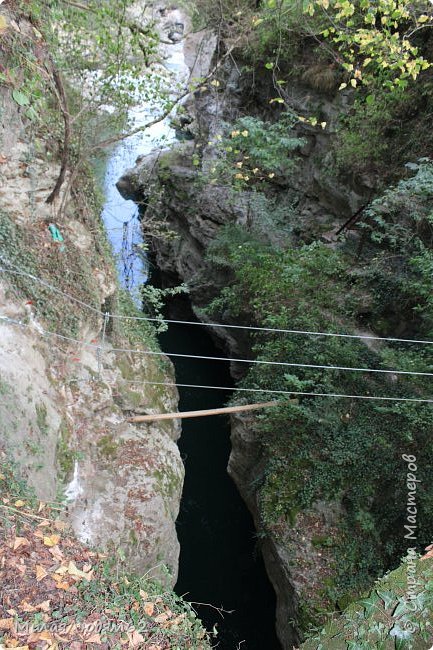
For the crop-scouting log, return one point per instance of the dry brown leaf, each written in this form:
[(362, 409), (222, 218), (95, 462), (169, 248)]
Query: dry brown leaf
[(149, 608), (20, 541), (161, 618), (95, 638), (56, 553), (77, 573), (40, 636), (27, 607), (38, 533), (144, 594), (51, 540), (62, 585), (6, 623), (56, 577), (44, 523), (135, 638), (59, 525), (44, 606), (40, 573)]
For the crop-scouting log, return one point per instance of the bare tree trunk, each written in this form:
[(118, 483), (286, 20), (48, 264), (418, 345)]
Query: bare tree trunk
[(63, 103)]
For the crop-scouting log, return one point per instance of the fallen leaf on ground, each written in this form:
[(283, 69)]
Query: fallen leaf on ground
[(52, 540), (135, 638), (27, 607), (161, 618), (40, 573), (20, 541), (6, 623), (44, 606), (95, 638), (149, 608)]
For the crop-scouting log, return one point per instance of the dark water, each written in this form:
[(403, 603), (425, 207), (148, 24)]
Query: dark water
[(220, 562)]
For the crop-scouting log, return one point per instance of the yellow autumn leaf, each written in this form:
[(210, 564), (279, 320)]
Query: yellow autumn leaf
[(73, 570), (19, 503), (52, 540), (342, 86), (423, 18), (245, 133), (353, 83), (3, 23)]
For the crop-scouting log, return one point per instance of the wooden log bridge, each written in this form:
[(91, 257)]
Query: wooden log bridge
[(202, 414)]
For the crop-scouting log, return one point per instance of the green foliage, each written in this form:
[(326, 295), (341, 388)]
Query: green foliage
[(388, 618), (383, 130), (111, 604), (122, 596), (257, 150), (367, 40), (154, 301), (327, 447), (398, 230), (69, 270)]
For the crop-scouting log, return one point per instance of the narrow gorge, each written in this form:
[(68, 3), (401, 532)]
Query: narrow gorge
[(204, 206)]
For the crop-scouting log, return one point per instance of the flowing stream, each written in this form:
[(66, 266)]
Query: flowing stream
[(219, 562), (121, 217)]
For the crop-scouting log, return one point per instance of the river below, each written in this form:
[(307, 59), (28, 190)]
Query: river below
[(220, 561)]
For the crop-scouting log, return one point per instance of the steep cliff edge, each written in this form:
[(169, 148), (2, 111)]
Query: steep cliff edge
[(65, 388), (317, 474)]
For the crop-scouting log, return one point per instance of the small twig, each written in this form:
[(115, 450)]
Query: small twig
[(23, 512), (218, 609)]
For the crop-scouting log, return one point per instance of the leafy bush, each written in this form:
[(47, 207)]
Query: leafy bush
[(257, 150), (327, 447)]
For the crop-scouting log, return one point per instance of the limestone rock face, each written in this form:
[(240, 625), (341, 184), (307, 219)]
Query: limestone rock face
[(245, 464), (62, 420), (195, 211)]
